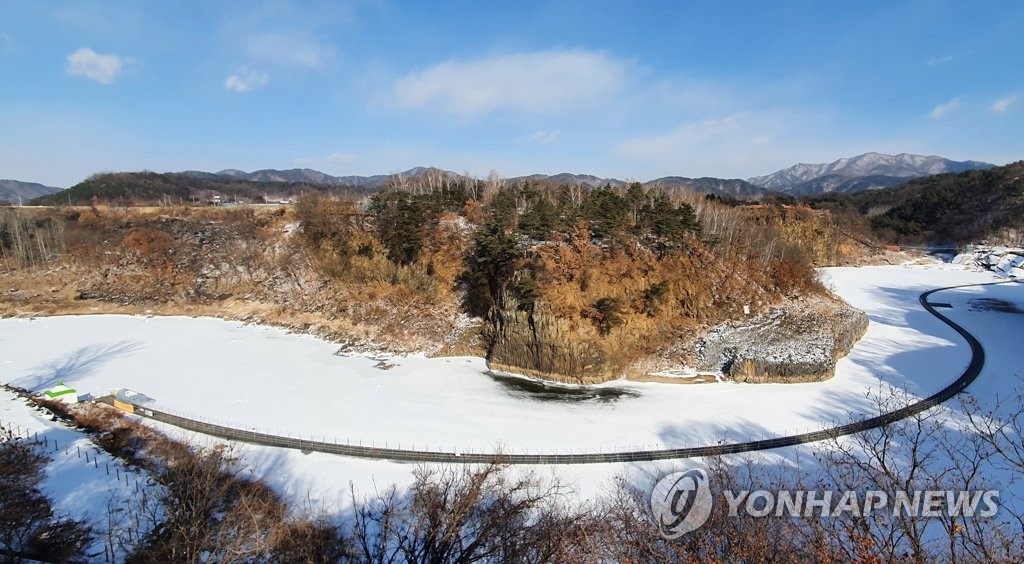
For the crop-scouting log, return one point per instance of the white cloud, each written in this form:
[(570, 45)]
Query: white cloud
[(741, 144), (1001, 104), (944, 108), (94, 66), (545, 137), (683, 140), (543, 82), (298, 50), (939, 60), (246, 81), (340, 158)]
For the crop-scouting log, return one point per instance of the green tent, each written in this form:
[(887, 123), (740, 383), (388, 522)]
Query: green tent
[(62, 393)]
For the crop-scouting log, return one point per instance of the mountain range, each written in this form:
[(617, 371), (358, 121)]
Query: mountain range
[(851, 174), (859, 173), (306, 175), (724, 187)]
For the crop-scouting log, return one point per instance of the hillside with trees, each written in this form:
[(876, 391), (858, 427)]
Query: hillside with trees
[(150, 188), (564, 282), (972, 206)]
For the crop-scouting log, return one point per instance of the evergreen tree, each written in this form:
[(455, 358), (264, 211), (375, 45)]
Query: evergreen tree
[(636, 197), (606, 213), (402, 219), (539, 219), (492, 263), (666, 224)]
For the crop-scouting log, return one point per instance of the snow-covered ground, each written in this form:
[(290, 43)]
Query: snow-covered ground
[(81, 480), (267, 379)]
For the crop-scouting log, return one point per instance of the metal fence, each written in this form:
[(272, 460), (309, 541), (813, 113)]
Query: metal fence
[(405, 455)]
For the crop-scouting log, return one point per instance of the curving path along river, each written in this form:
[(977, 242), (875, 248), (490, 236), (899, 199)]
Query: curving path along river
[(960, 384)]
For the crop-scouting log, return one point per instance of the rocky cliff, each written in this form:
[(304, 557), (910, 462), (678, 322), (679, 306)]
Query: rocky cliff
[(798, 342)]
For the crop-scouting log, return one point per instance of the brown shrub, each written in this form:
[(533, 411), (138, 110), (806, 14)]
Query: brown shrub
[(791, 277)]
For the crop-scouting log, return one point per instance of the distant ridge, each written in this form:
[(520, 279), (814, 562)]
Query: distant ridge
[(16, 191), (849, 174), (724, 187), (966, 207), (718, 186), (306, 175), (846, 175), (859, 173)]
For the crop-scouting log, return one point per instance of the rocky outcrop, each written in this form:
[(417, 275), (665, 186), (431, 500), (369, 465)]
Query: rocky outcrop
[(536, 344), (798, 342)]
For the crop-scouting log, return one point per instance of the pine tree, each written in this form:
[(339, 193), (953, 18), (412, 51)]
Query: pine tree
[(606, 213)]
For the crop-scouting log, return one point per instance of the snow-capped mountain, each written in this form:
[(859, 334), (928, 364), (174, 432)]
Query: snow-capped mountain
[(852, 174)]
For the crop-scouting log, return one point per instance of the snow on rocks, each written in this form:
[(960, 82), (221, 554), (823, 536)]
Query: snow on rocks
[(798, 342), (1007, 262)]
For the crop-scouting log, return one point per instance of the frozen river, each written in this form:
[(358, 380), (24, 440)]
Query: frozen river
[(262, 378)]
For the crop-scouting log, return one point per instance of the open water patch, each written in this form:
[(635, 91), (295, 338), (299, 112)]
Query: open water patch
[(529, 388)]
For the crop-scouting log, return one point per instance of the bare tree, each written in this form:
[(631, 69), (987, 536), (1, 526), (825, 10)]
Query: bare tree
[(209, 513), (435, 179), (924, 452), (492, 185), (461, 514)]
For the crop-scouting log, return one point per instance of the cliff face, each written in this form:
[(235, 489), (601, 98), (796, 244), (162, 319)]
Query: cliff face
[(538, 344)]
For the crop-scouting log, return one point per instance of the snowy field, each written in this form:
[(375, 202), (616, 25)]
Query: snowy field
[(266, 379)]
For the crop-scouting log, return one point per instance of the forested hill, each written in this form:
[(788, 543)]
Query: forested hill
[(965, 207), (124, 188)]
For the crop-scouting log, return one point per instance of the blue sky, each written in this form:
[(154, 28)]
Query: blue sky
[(625, 89)]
